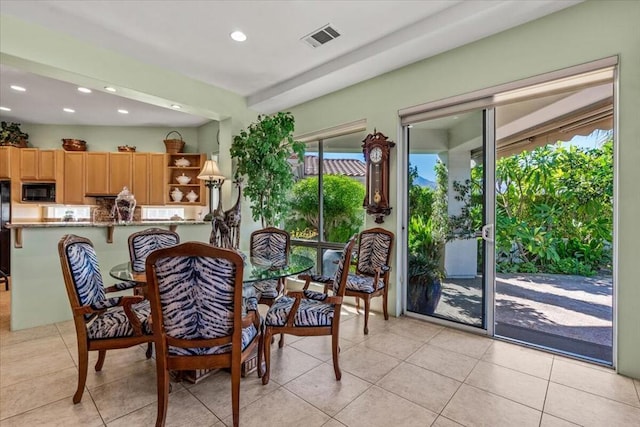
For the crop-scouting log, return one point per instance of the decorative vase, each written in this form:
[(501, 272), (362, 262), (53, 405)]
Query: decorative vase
[(183, 179), (176, 195), (125, 205), (192, 196)]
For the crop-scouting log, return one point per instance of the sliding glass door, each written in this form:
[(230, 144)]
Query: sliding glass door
[(450, 218)]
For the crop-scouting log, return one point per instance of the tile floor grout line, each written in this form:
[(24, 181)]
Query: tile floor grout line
[(546, 394), (596, 395)]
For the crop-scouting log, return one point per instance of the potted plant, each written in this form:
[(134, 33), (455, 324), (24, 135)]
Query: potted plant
[(263, 152), (425, 271), (10, 134)]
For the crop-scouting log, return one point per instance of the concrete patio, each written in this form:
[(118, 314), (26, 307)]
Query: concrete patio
[(572, 314)]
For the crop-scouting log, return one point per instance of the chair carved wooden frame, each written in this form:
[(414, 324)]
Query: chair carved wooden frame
[(273, 245), (201, 320), (101, 323), (371, 278), (309, 313)]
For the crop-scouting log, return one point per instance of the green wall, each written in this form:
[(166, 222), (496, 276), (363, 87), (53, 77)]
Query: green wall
[(579, 34)]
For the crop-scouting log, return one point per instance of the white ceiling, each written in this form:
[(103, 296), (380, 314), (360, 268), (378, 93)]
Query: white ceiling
[(273, 69)]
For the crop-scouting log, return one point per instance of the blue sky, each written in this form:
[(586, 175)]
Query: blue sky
[(427, 162)]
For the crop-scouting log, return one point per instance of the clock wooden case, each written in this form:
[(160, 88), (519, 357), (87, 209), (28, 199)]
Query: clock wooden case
[(376, 148)]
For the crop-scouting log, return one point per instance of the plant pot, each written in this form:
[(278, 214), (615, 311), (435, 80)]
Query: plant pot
[(423, 297)]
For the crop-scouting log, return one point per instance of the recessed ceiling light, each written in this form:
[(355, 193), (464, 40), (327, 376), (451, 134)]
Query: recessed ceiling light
[(5, 108), (121, 111), (68, 110), (84, 90), (110, 89), (238, 36), (18, 88), (176, 106)]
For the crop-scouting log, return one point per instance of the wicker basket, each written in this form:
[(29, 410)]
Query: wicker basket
[(174, 145)]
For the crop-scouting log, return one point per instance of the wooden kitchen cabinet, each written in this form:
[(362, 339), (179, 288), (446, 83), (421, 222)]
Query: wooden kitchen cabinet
[(74, 178), (97, 173), (148, 178), (188, 165), (7, 156), (108, 173), (119, 171), (37, 165), (157, 171)]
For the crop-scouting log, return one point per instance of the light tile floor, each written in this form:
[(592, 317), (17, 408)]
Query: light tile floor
[(404, 373)]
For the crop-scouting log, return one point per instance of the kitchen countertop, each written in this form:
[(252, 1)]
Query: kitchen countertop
[(49, 224)]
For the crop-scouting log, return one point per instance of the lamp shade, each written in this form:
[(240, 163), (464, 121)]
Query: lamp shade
[(210, 172)]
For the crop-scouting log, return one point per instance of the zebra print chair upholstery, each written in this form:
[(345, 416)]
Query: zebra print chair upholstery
[(371, 278), (197, 306), (101, 323), (309, 313), (272, 245), (142, 243)]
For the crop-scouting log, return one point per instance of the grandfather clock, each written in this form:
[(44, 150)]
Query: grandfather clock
[(376, 148)]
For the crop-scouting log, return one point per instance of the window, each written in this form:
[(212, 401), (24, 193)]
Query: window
[(327, 199)]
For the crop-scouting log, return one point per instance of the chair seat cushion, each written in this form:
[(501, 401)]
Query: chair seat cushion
[(114, 323), (310, 313), (356, 282), (248, 334), (266, 289)]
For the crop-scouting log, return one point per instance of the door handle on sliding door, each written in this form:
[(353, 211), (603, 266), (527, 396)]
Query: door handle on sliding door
[(487, 232)]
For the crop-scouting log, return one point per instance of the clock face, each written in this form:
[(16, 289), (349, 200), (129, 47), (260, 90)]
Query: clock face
[(376, 155)]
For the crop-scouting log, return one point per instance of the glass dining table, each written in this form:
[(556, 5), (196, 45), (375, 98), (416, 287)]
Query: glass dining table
[(255, 269)]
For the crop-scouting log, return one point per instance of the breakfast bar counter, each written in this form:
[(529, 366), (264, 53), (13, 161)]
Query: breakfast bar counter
[(18, 226), (38, 295)]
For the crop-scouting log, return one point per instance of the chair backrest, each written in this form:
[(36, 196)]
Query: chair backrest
[(195, 291), (374, 250), (142, 243), (340, 278), (80, 270), (271, 244)]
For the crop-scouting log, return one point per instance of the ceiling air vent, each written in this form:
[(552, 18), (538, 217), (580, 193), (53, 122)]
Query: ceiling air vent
[(321, 36)]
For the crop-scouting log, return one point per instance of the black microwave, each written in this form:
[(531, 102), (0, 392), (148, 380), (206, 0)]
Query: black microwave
[(44, 192)]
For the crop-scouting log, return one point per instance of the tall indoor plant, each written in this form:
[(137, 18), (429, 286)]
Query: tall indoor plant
[(263, 152)]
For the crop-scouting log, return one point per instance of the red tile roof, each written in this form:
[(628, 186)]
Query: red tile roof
[(348, 167)]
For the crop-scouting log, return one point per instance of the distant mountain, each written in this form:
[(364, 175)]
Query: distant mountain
[(424, 182)]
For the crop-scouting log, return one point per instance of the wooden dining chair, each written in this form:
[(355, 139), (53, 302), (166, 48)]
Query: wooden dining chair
[(309, 313), (101, 323), (200, 318), (142, 243), (371, 278), (271, 245)]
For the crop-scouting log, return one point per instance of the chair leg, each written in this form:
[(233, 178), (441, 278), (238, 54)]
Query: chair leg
[(358, 305), (149, 352), (162, 375), (267, 356), (83, 366), (101, 356), (235, 392), (384, 304), (281, 342), (261, 345), (335, 350), (367, 303)]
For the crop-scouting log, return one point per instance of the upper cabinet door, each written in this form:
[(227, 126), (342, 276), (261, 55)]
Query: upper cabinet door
[(140, 184), (97, 172), (120, 172), (29, 163), (47, 165), (74, 182)]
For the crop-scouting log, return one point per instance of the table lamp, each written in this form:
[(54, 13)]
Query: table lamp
[(213, 179)]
